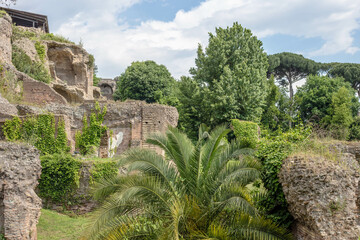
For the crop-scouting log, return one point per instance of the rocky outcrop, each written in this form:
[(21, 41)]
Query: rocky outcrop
[(5, 39), (7, 110), (19, 205), (322, 196), (71, 68)]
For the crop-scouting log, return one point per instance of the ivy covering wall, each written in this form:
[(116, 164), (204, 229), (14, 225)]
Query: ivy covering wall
[(39, 131)]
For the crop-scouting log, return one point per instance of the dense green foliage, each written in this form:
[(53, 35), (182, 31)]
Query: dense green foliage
[(289, 68), (145, 81), (272, 152), (39, 131), (103, 169), (196, 191), (327, 101), (24, 64), (349, 71), (247, 133), (229, 80), (90, 135), (41, 50), (59, 177)]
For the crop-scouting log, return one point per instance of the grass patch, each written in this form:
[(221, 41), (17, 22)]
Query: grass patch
[(56, 38), (56, 226)]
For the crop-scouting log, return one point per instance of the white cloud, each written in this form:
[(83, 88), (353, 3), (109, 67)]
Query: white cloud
[(115, 44)]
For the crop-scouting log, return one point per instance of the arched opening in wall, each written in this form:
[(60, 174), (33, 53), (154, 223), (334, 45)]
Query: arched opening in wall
[(106, 89)]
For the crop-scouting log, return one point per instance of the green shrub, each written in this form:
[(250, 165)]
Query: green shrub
[(246, 132), (272, 151), (41, 50), (59, 177), (24, 64), (355, 129), (12, 129), (9, 86), (18, 33), (103, 169), (91, 133), (39, 131)]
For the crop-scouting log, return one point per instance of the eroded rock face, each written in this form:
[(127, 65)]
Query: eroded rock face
[(20, 207), (70, 67), (7, 110), (322, 196), (5, 39)]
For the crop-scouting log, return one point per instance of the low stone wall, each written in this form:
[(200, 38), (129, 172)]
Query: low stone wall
[(20, 207), (322, 196)]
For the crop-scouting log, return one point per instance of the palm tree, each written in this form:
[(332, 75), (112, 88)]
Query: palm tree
[(194, 191)]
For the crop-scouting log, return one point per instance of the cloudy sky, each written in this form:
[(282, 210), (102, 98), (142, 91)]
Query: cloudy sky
[(118, 32)]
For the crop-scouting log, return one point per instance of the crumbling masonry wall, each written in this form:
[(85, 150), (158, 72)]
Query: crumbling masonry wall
[(20, 207), (322, 195)]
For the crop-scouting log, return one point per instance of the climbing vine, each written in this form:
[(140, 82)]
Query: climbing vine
[(90, 135), (39, 131)]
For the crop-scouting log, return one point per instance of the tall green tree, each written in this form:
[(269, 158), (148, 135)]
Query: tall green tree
[(315, 98), (230, 74), (349, 71), (341, 115), (145, 81), (194, 191), (289, 68)]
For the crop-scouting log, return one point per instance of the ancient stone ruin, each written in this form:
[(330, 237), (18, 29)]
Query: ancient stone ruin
[(69, 96), (107, 87), (323, 194), (19, 205)]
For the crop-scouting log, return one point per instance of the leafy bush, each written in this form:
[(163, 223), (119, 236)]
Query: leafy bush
[(24, 64), (41, 50), (103, 169), (272, 152), (91, 134), (355, 129), (59, 177), (40, 132), (246, 132), (12, 129)]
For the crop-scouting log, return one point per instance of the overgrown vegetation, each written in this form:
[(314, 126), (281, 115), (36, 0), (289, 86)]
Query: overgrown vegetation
[(41, 50), (186, 194), (89, 138), (10, 87), (246, 132), (39, 131), (24, 64), (59, 178)]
